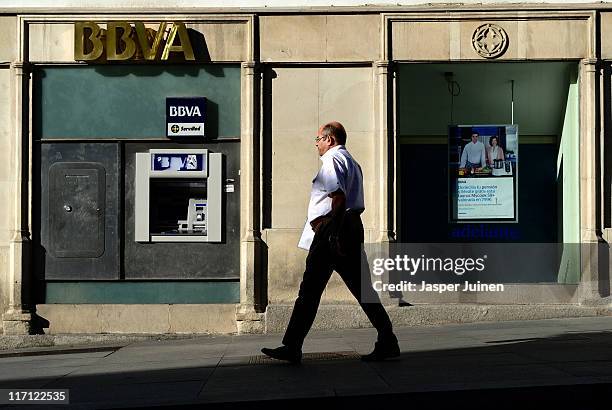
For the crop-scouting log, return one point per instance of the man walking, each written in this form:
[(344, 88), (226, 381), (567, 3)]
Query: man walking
[(333, 236)]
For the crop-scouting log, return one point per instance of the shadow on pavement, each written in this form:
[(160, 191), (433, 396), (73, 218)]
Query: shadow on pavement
[(571, 370)]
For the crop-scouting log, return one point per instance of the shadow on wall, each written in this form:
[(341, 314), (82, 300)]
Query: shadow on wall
[(268, 77)]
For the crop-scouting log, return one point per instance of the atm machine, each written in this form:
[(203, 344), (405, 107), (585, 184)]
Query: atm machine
[(178, 196)]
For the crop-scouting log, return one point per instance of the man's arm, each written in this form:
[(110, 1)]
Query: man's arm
[(338, 203), (463, 157), (338, 208)]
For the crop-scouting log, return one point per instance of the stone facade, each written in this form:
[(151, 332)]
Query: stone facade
[(302, 69)]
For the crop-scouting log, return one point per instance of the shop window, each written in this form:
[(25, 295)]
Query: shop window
[(432, 97)]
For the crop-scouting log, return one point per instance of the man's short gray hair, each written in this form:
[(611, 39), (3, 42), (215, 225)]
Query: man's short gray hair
[(336, 130)]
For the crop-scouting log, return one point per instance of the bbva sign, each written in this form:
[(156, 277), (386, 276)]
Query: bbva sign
[(122, 41), (185, 111)]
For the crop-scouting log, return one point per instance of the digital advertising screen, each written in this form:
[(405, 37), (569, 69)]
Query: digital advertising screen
[(483, 170)]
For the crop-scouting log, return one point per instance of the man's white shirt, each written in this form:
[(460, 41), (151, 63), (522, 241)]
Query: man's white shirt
[(339, 171), (475, 153)]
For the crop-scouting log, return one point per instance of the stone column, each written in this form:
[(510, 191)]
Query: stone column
[(385, 153), (384, 163), (248, 314), (17, 319), (590, 224)]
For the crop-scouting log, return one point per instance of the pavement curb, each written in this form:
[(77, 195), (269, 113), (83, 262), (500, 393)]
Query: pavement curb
[(70, 342), (56, 351)]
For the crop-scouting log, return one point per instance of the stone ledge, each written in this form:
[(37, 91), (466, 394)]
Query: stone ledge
[(598, 302), (331, 317), (132, 319)]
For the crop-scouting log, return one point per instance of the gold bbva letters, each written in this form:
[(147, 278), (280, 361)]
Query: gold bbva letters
[(83, 42), (112, 44), (150, 52), (89, 44), (184, 46)]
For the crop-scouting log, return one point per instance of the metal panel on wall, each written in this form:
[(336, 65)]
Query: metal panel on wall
[(76, 209), (79, 212), (186, 260)]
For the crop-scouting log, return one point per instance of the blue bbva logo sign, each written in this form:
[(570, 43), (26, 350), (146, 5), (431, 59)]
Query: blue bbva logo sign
[(185, 116)]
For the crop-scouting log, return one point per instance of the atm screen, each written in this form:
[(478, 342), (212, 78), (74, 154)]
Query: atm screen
[(177, 162)]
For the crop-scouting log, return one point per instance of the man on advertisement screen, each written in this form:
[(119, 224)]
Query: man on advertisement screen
[(473, 155)]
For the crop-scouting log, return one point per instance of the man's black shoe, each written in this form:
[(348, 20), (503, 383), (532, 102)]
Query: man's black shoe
[(284, 353), (404, 303), (382, 352)]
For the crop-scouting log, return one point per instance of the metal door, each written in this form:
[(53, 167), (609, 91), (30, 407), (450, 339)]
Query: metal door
[(76, 209)]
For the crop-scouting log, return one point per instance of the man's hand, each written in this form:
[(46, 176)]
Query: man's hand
[(317, 223), (338, 208)]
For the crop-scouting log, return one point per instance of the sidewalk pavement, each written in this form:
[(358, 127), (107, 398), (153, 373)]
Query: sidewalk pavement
[(568, 360)]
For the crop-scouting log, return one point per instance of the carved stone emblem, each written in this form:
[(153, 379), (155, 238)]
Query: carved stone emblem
[(490, 40)]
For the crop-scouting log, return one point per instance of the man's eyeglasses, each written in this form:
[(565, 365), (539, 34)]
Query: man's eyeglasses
[(317, 139)]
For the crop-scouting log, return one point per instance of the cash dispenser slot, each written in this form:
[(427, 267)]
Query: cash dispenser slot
[(176, 207)]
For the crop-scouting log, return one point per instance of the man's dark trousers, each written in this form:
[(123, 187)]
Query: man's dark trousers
[(324, 257)]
